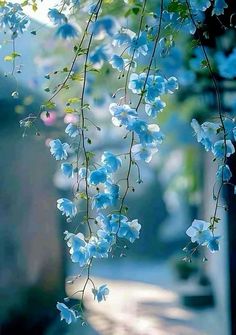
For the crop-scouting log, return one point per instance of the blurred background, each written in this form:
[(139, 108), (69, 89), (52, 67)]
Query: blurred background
[(152, 290)]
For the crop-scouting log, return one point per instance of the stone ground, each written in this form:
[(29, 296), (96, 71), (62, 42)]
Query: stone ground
[(144, 300)]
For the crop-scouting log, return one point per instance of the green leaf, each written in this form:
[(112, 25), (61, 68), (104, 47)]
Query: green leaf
[(204, 64), (49, 105), (12, 56), (69, 109), (90, 155), (77, 77), (179, 8), (82, 195), (135, 10), (128, 13), (73, 100)]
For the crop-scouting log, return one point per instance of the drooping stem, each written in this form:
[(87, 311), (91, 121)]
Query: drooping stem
[(220, 112), (78, 52), (132, 134), (143, 90), (82, 107)]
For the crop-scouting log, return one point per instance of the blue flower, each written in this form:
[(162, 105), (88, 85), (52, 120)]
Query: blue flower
[(67, 207), (78, 248), (165, 45), (144, 152), (138, 45), (121, 39), (199, 232), (219, 149), (137, 125), (99, 55), (117, 63), (100, 293), (110, 162), (151, 135), (102, 200), (93, 8), (188, 26), (113, 191), (112, 222), (219, 7), (196, 61), (74, 241), (76, 2), (223, 173), (66, 313), (13, 17), (201, 5), (122, 114), (56, 17), (82, 172), (226, 65), (98, 247), (129, 230), (98, 176), (169, 18), (104, 235), (156, 107), (155, 87), (80, 256), (213, 245), (148, 133), (234, 133), (106, 24), (136, 82), (67, 169), (205, 133), (66, 30), (72, 130), (58, 149), (171, 85), (229, 127)]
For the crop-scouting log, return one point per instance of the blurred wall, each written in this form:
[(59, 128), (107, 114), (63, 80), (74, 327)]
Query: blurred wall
[(217, 265), (31, 269)]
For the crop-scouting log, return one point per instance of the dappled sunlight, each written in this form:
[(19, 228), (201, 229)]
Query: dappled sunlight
[(136, 308), (118, 124)]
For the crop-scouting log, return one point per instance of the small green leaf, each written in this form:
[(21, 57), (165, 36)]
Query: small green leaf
[(49, 105), (135, 10), (12, 56), (69, 109), (204, 64), (73, 100)]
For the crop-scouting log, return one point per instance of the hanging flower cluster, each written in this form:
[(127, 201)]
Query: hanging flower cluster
[(135, 107), (13, 18)]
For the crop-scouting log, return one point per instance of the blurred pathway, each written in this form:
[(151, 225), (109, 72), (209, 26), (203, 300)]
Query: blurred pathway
[(136, 307)]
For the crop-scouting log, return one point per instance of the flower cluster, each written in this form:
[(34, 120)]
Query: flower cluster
[(149, 135), (200, 233), (103, 193), (65, 29), (209, 134), (100, 244), (217, 138), (227, 64), (134, 55), (13, 18)]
